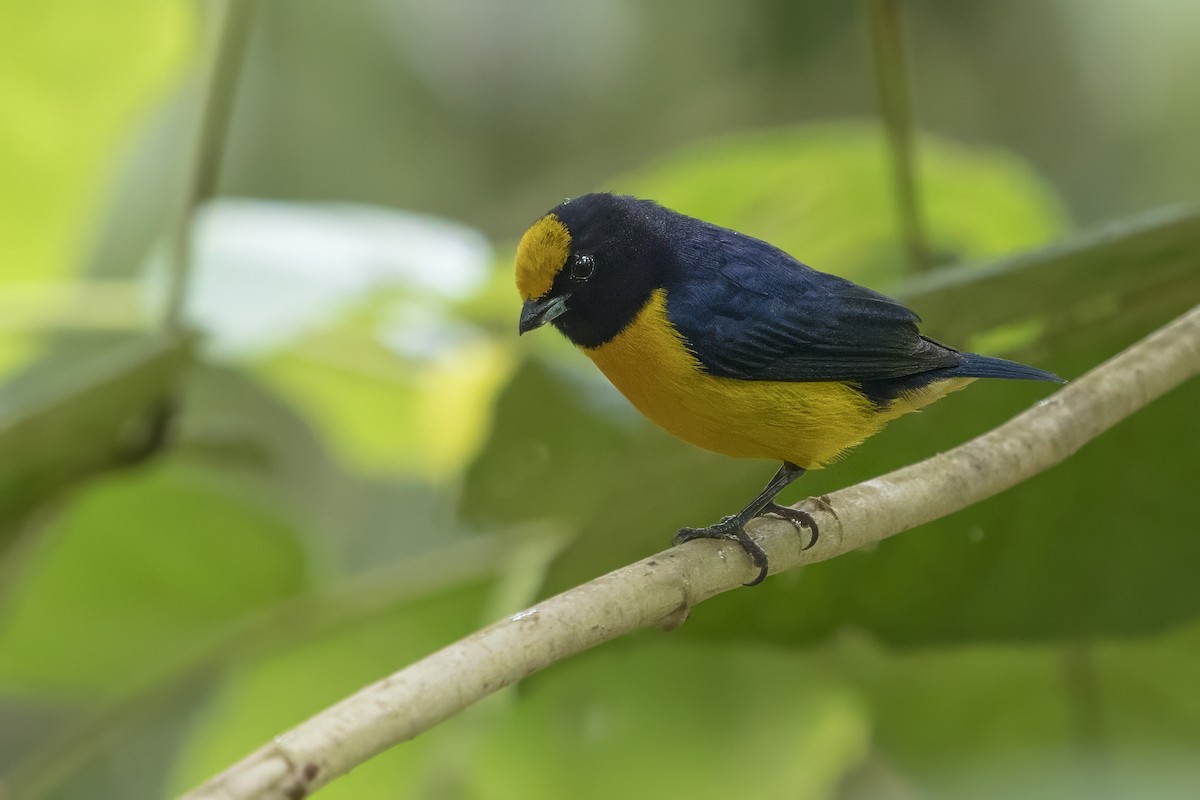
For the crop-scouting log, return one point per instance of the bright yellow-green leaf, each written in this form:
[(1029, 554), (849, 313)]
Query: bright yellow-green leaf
[(75, 77), (382, 414), (16, 350)]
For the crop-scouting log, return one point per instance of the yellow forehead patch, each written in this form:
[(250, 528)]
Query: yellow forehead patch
[(543, 251)]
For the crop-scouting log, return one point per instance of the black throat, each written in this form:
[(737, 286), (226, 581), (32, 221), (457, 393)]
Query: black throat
[(629, 241)]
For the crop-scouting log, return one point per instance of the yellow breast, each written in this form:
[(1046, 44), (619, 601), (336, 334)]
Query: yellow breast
[(806, 423)]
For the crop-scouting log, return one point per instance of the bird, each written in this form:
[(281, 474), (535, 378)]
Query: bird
[(731, 344)]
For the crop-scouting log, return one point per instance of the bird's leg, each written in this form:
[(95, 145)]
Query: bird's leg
[(734, 527)]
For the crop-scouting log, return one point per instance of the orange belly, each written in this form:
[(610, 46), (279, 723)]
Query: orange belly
[(806, 423)]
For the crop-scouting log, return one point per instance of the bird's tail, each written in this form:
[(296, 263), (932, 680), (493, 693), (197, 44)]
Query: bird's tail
[(977, 366)]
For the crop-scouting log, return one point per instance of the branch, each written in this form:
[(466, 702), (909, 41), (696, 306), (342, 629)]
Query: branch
[(221, 80), (660, 590)]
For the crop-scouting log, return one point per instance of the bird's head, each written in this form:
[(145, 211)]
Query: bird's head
[(591, 264)]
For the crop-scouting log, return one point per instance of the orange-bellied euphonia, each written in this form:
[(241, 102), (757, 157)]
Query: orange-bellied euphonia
[(730, 343)]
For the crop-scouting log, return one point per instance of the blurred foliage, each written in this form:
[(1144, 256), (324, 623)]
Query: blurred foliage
[(367, 465), (825, 192), (438, 411), (134, 598), (74, 75), (78, 412)]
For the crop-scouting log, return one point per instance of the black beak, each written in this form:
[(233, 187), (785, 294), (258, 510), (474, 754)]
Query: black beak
[(536, 313)]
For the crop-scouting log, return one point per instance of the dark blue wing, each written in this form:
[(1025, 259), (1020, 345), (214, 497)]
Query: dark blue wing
[(750, 311)]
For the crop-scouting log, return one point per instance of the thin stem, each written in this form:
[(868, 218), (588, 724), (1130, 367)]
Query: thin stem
[(891, 83), (228, 47), (1086, 712)]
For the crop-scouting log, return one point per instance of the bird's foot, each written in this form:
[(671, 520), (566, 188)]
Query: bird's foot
[(801, 519), (735, 529)]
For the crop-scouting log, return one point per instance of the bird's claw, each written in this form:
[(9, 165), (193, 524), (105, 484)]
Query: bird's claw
[(730, 528), (801, 519), (722, 530)]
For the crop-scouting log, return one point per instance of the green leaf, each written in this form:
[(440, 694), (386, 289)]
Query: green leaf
[(382, 415), (1103, 289), (513, 472), (139, 570), (127, 757), (265, 695), (681, 721), (1077, 720), (852, 719), (256, 444), (74, 75), (824, 194), (77, 412)]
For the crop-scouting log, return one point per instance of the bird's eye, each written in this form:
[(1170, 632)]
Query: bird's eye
[(582, 267)]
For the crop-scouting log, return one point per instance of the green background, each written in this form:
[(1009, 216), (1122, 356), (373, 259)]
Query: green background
[(365, 464)]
